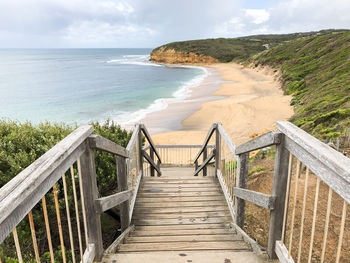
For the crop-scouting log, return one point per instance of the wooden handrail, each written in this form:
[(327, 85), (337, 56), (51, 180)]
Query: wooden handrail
[(227, 139), (149, 139), (101, 143), (265, 140), (206, 141), (133, 138), (24, 191), (200, 168), (151, 162), (107, 202)]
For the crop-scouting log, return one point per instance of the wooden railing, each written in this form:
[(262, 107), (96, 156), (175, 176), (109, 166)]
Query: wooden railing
[(47, 176), (296, 151)]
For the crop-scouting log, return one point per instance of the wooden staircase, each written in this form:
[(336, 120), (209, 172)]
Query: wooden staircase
[(181, 217)]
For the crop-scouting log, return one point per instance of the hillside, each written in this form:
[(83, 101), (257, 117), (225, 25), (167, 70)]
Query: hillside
[(316, 71), (222, 49)]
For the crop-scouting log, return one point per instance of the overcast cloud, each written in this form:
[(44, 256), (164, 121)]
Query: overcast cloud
[(149, 23)]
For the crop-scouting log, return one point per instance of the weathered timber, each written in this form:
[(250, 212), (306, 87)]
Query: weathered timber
[(149, 139), (89, 183), (211, 156), (206, 141), (139, 153), (122, 178), (279, 192), (217, 150), (226, 194), (18, 202), (182, 232), (108, 202), (205, 155), (243, 162), (183, 238), (172, 146), (113, 247), (282, 253), (100, 143), (265, 140), (133, 199), (151, 162), (226, 139), (183, 227), (260, 199), (89, 254), (179, 209), (151, 155)]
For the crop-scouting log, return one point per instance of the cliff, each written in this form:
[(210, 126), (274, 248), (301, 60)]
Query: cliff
[(176, 57)]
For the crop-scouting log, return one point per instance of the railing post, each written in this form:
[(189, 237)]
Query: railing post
[(279, 192), (122, 178), (196, 166), (139, 152), (217, 149), (151, 154), (242, 166), (205, 155), (158, 164), (88, 171)]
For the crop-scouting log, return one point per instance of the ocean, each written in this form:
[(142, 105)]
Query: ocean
[(84, 85)]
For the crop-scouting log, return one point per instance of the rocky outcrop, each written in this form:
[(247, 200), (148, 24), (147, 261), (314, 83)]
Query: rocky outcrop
[(175, 57)]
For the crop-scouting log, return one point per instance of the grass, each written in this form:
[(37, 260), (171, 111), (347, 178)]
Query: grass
[(315, 71)]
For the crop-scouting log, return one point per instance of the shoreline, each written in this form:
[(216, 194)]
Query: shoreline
[(247, 102)]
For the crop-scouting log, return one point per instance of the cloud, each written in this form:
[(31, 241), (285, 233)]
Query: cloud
[(148, 23)]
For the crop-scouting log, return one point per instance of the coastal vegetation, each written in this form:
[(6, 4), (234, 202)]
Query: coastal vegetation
[(314, 69), (20, 145)]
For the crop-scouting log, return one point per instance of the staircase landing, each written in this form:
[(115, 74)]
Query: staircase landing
[(182, 218)]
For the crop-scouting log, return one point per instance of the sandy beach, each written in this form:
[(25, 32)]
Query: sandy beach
[(247, 102)]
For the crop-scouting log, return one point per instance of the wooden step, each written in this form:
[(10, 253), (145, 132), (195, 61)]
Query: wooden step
[(178, 227), (182, 232), (180, 238), (178, 181), (185, 185), (166, 210), (151, 215), (180, 199), (177, 194), (183, 189), (181, 221), (179, 204), (183, 246)]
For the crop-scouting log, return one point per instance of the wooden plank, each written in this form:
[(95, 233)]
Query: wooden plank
[(330, 165), (189, 185), (180, 238), (259, 250), (260, 199), (151, 162), (227, 139), (265, 140), (89, 254), (177, 215), (90, 194), (211, 156), (180, 220), (122, 178), (279, 187), (30, 191), (195, 180), (177, 194), (149, 139), (113, 247), (242, 178), (100, 143), (181, 209), (152, 158), (135, 192), (179, 204), (282, 253), (206, 141), (183, 227), (181, 232), (217, 151), (107, 202), (179, 190), (155, 199), (226, 195), (183, 246), (133, 139)]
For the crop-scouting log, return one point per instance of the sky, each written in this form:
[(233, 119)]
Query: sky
[(150, 23)]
